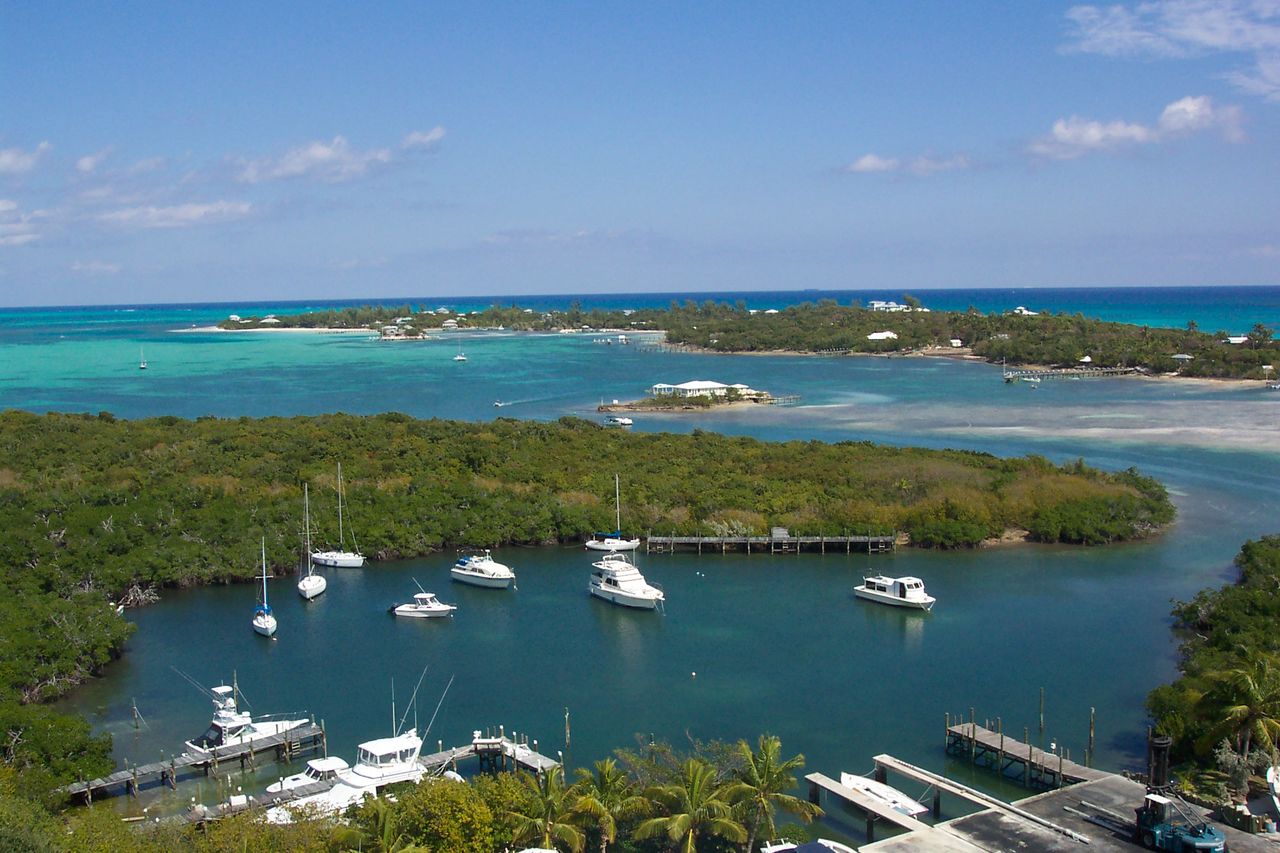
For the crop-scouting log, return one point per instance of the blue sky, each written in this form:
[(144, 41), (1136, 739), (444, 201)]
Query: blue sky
[(184, 152)]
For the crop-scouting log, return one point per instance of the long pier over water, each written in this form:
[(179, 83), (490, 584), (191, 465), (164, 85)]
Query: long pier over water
[(778, 543)]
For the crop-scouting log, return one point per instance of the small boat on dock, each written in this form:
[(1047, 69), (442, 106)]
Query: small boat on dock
[(477, 567), (887, 794), (900, 592), (617, 580), (318, 770), (821, 845), (424, 606), (233, 727)]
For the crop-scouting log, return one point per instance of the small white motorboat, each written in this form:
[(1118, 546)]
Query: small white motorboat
[(478, 568), (424, 606), (318, 770), (264, 621), (887, 794), (618, 421), (900, 592), (822, 845), (617, 580)]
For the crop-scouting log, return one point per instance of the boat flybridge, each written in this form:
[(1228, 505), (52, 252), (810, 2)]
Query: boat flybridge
[(478, 568), (613, 540), (887, 794), (379, 763), (900, 592), (338, 558), (233, 727), (617, 580)]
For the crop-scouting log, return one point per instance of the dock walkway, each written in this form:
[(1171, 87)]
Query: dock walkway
[(286, 745), (1014, 759), (772, 544), (1067, 373)]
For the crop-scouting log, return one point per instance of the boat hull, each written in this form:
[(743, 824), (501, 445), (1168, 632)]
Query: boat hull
[(485, 581), (338, 559), (925, 604), (312, 586), (624, 599), (265, 627), (408, 611), (613, 544)]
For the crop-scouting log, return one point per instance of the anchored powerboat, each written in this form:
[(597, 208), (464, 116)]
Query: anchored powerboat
[(318, 770), (616, 579), (478, 568), (233, 727), (887, 794), (423, 606), (900, 592), (618, 421)]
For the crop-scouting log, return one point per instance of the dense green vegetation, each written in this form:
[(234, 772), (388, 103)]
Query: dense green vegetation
[(1224, 710), (1042, 339), (94, 508), (714, 797)]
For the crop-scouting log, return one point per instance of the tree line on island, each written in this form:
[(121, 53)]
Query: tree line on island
[(712, 797), (95, 510), (1047, 339)]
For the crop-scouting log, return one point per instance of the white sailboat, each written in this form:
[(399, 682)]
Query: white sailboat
[(461, 356), (142, 359), (339, 558), (311, 584), (613, 540), (264, 621)]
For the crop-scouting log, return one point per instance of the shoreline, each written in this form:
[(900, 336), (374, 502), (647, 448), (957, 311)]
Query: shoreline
[(314, 329)]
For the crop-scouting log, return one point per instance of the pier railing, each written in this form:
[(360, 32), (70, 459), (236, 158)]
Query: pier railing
[(772, 544)]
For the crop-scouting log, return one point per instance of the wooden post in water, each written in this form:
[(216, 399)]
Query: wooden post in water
[(1000, 757), (946, 735), (1026, 771), (937, 803), (1088, 756), (1042, 719), (973, 739)]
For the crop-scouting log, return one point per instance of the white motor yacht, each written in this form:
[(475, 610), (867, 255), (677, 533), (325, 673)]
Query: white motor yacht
[(617, 580), (613, 540), (233, 727), (900, 592), (379, 763), (478, 568), (618, 421), (339, 558), (423, 606), (887, 794), (318, 770), (822, 845)]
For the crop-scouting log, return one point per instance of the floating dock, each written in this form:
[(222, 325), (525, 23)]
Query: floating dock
[(285, 746), (773, 544)]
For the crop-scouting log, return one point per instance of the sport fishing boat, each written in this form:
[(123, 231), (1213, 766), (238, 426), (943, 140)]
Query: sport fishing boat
[(617, 580), (233, 727), (478, 568), (900, 592), (613, 541), (424, 606), (887, 794)]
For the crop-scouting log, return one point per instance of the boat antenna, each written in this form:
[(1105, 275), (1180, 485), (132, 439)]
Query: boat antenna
[(418, 585), (438, 704), (235, 685), (413, 700), (197, 685)]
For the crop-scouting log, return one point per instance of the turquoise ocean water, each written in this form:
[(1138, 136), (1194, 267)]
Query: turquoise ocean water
[(777, 642)]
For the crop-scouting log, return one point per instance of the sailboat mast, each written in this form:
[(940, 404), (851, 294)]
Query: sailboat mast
[(617, 504), (341, 540), (264, 571), (306, 524)]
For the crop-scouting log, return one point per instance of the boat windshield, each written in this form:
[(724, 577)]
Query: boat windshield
[(210, 739)]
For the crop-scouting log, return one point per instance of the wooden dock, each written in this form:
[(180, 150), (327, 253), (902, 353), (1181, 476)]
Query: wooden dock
[(1016, 760), (1068, 373), (297, 741), (875, 810), (772, 544), (494, 751)]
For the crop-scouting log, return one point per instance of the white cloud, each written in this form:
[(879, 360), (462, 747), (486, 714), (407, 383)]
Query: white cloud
[(7, 204), (1075, 136), (95, 268), (869, 163), (15, 161), (326, 161), (90, 162), (922, 166), (1175, 29), (179, 215), (18, 228), (423, 139)]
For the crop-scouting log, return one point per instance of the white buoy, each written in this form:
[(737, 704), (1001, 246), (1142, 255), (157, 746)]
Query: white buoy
[(693, 675)]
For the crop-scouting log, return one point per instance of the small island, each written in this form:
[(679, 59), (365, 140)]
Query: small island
[(694, 395)]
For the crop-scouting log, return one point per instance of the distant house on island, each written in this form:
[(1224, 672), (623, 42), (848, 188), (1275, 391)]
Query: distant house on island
[(704, 388)]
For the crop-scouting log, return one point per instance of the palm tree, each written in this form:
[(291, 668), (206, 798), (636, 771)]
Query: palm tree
[(547, 818), (762, 785), (1248, 700), (696, 805), (606, 797)]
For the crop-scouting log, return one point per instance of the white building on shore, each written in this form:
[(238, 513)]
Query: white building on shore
[(703, 388)]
